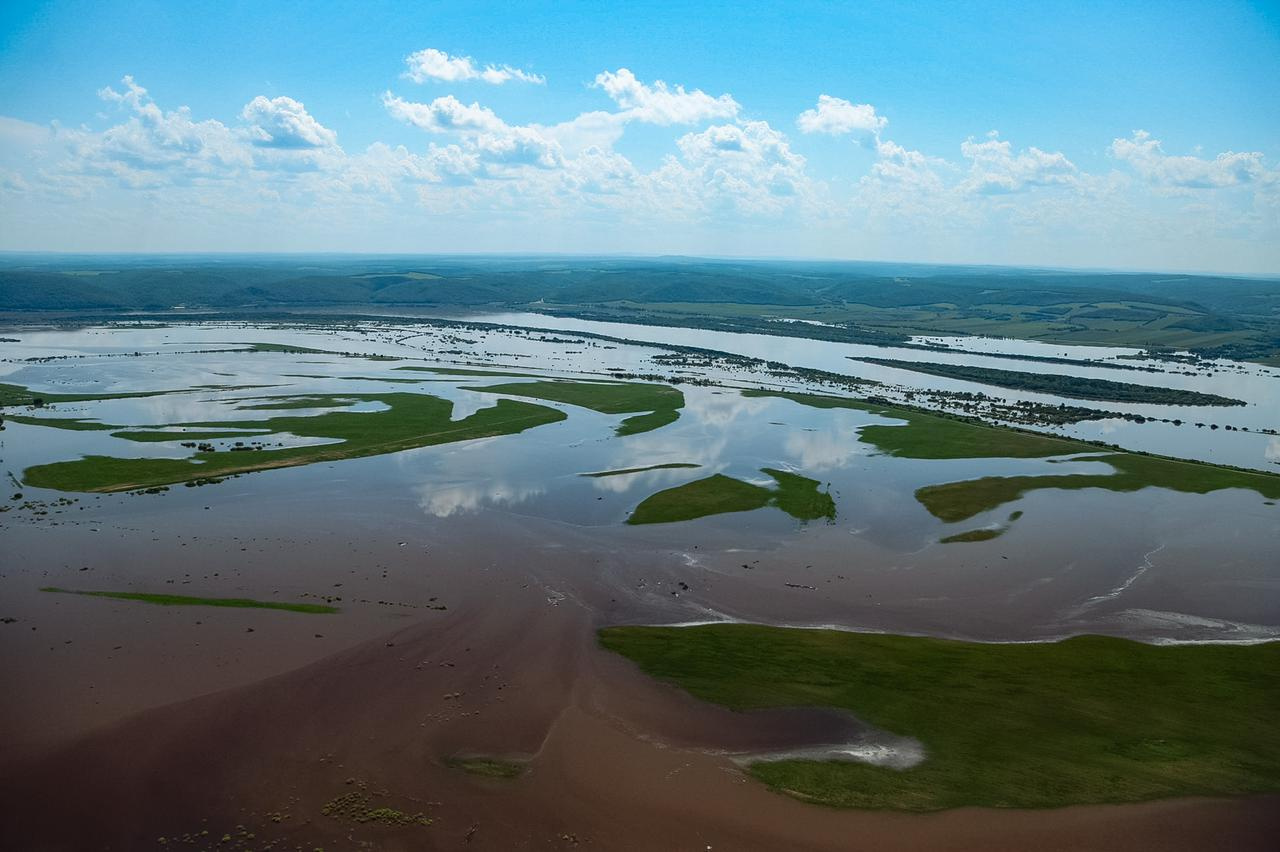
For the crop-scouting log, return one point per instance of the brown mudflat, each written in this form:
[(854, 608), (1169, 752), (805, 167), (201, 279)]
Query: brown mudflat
[(615, 762)]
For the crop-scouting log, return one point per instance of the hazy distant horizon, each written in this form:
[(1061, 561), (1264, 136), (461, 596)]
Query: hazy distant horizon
[(230, 254)]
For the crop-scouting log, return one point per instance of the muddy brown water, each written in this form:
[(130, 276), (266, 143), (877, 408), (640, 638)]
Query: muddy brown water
[(196, 725), (471, 579)]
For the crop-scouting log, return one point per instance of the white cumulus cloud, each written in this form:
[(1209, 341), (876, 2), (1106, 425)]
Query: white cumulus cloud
[(995, 168), (483, 133), (285, 123), (1230, 168), (662, 104), (432, 64), (445, 114), (838, 117)]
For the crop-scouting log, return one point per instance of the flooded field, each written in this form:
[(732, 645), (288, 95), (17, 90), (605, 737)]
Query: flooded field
[(473, 523)]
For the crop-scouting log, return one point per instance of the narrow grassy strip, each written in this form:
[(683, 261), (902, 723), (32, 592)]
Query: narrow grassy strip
[(1029, 725), (151, 436), (462, 371), (183, 600), (20, 395), (487, 767), (931, 436), (286, 403), (661, 402), (626, 470), (72, 424), (1075, 387), (985, 534), (718, 494), (958, 501), (410, 420)]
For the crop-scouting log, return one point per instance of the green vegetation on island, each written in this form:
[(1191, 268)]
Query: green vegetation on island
[(294, 402), (183, 600), (796, 495), (409, 421), (1025, 725), (984, 534), (626, 470), (160, 435), (19, 395), (957, 501), (936, 436), (1057, 384), (930, 436), (462, 371), (487, 767), (661, 402)]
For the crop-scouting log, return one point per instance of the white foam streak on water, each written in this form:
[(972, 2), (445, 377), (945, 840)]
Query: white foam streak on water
[(1114, 593), (883, 750), (1228, 632)]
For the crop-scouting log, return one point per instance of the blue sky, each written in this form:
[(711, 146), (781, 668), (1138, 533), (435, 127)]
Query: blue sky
[(1133, 135)]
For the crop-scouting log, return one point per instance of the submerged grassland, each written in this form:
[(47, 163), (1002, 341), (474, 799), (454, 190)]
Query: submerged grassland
[(628, 470), (184, 600), (661, 403), (928, 436), (957, 501), (1031, 725), (796, 495), (410, 420), (1075, 387)]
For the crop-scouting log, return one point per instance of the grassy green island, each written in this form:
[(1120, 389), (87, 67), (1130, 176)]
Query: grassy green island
[(15, 395), (985, 534), (627, 470), (410, 420), (930, 436), (958, 501), (183, 600), (1075, 387), (487, 767), (796, 495), (661, 403), (1029, 725)]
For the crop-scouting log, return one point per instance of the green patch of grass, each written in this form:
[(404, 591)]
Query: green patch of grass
[(928, 436), (1029, 725), (957, 501), (461, 371), (626, 470), (661, 402), (715, 495), (158, 435), (487, 767), (183, 600), (73, 424), (1076, 387), (295, 402), (20, 395), (799, 496), (647, 422), (359, 807), (975, 535), (796, 495), (931, 436), (409, 421)]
